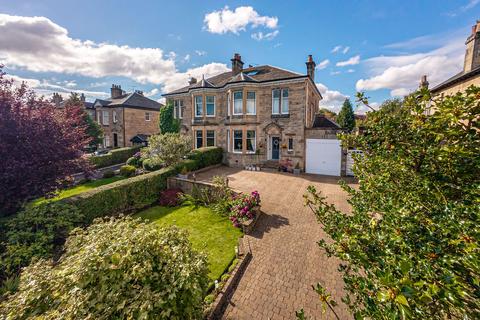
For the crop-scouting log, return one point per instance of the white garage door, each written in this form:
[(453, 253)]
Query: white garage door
[(324, 156)]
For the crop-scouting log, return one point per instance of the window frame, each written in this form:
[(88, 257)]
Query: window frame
[(254, 142), (214, 138), (228, 141), (241, 140), (196, 138), (149, 118), (254, 103), (106, 141), (235, 113), (105, 119), (229, 104), (290, 144), (206, 106), (115, 119), (279, 101), (197, 115)]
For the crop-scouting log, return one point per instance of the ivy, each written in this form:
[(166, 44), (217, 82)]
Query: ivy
[(167, 122)]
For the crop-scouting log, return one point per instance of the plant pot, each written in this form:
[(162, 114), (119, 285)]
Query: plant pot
[(296, 171)]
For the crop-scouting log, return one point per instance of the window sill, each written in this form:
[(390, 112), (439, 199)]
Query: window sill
[(279, 115)]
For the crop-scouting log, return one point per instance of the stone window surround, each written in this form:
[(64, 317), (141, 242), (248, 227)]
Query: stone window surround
[(231, 139), (203, 136), (178, 109), (281, 101)]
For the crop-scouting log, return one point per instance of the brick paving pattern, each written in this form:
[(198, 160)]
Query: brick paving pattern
[(286, 258)]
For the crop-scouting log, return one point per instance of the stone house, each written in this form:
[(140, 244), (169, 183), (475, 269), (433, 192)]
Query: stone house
[(470, 75), (126, 118), (258, 115)]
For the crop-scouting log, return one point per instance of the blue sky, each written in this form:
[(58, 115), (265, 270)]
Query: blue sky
[(381, 47)]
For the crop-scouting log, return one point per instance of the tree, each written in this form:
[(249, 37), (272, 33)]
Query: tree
[(328, 113), (168, 148), (115, 269), (41, 146), (93, 129), (167, 122), (410, 246), (346, 117)]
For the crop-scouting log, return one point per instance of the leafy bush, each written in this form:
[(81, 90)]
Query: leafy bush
[(167, 148), (409, 248), (115, 156), (36, 232), (170, 197), (108, 174), (127, 171), (116, 269), (242, 207), (150, 165), (135, 160), (207, 156)]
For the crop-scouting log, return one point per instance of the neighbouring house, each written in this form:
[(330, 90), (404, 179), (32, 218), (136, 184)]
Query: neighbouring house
[(258, 115), (126, 117), (470, 75), (58, 101)]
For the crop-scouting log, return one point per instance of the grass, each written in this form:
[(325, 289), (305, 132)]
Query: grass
[(62, 194), (209, 232)]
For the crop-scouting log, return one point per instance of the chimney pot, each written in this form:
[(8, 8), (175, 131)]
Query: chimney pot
[(237, 64), (311, 67), (116, 91), (192, 80)]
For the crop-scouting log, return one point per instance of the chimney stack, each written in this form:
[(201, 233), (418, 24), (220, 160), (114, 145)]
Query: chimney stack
[(192, 81), (57, 99), (82, 97), (237, 64), (311, 67), (116, 91), (472, 54), (423, 82)]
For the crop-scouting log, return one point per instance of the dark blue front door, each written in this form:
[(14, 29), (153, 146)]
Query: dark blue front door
[(275, 148)]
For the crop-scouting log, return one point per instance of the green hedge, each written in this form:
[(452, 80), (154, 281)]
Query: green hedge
[(138, 192), (115, 156)]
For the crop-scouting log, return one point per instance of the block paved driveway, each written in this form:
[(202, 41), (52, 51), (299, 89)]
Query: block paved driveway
[(286, 258)]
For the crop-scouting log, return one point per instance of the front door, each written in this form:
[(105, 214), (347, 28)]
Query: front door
[(275, 148), (115, 140)]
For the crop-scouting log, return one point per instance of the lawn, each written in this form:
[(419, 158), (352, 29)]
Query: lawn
[(77, 189), (209, 232)]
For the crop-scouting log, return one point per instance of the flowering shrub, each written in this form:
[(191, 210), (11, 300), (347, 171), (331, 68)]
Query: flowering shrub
[(170, 197), (135, 160), (243, 207)]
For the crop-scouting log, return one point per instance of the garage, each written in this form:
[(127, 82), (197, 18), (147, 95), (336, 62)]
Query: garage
[(323, 156)]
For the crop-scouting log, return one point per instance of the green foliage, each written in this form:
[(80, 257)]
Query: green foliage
[(150, 165), (127, 171), (115, 156), (410, 245), (94, 131), (167, 123), (115, 269), (37, 232), (328, 113), (122, 196), (207, 156), (167, 148), (346, 117), (108, 174)]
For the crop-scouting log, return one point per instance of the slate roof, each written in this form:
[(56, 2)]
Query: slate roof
[(252, 74), (323, 122), (134, 99), (140, 138), (458, 78)]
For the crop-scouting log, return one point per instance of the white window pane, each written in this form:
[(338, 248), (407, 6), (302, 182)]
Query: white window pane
[(251, 142), (285, 105), (238, 102), (251, 103), (198, 106), (210, 101)]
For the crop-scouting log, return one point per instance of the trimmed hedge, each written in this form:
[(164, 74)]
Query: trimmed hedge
[(138, 192), (115, 156)]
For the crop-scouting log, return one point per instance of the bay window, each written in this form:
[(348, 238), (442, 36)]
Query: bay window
[(210, 106), (237, 140), (229, 104), (198, 138), (251, 104), (237, 102), (198, 106), (251, 142), (210, 139)]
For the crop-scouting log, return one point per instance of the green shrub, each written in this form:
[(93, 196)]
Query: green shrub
[(108, 174), (122, 196), (207, 156), (36, 232), (127, 171), (104, 275), (115, 156), (151, 165)]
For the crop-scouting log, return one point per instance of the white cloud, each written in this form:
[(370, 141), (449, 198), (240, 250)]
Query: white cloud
[(334, 73), (350, 62), (226, 20), (322, 65), (350, 70), (401, 74), (98, 84), (345, 50), (37, 44), (201, 52), (363, 109), (180, 79), (152, 92), (259, 36), (186, 58), (469, 5), (332, 99), (336, 49)]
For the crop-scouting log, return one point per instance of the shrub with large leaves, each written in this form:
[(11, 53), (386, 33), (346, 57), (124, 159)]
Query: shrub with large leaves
[(410, 245), (167, 148), (115, 269)]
